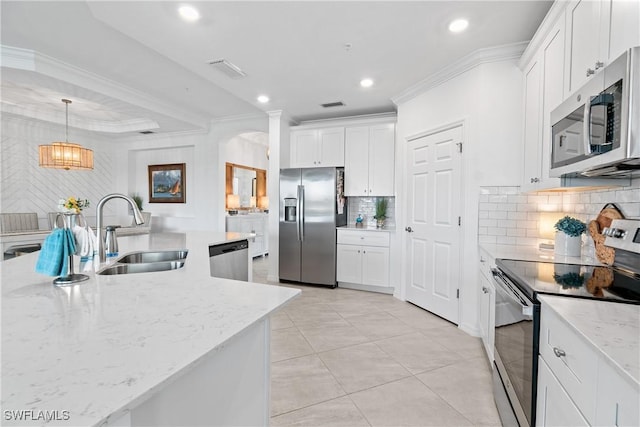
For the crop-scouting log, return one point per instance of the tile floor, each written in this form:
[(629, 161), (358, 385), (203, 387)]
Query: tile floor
[(351, 358)]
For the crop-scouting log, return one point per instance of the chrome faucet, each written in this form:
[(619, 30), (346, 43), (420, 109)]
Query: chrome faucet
[(137, 216)]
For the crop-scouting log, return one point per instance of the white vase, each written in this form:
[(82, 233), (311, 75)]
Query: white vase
[(568, 245)]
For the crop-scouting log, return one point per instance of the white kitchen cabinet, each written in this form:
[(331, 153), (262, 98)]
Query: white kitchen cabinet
[(317, 147), (543, 82), (369, 160), (572, 360), (618, 398), (577, 383), (362, 258), (598, 32), (554, 406), (252, 223), (487, 305)]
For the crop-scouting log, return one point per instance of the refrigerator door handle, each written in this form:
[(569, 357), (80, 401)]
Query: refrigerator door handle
[(301, 213)]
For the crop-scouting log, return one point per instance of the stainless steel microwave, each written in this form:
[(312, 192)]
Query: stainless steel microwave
[(596, 132)]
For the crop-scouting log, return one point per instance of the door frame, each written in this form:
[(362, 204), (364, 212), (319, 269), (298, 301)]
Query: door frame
[(404, 241)]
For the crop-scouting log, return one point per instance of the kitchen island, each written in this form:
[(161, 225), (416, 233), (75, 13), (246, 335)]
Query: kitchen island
[(175, 347)]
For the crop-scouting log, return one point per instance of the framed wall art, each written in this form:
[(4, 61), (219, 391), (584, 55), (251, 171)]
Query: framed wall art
[(167, 183)]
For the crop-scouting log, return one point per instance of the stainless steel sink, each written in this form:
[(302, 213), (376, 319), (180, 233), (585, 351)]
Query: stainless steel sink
[(153, 256), (148, 267)]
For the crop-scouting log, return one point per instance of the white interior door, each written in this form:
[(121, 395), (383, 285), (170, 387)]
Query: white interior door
[(434, 188)]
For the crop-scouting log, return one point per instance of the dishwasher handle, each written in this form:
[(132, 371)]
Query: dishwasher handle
[(225, 248)]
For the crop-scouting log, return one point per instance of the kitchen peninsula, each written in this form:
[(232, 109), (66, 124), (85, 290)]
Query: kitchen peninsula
[(175, 347)]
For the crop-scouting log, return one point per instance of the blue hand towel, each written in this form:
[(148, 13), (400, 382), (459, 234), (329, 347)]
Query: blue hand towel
[(54, 256)]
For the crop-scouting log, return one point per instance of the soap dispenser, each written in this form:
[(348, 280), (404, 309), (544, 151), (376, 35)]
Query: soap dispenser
[(111, 241)]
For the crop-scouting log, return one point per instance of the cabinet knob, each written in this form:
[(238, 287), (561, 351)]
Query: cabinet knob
[(590, 72), (558, 352), (534, 180), (485, 290), (365, 191), (482, 260), (408, 229), (358, 250), (599, 64)]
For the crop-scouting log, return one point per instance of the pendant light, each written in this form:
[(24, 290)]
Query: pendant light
[(65, 155)]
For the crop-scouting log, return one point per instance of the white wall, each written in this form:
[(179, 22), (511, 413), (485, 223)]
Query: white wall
[(26, 187), (488, 101), (205, 172)]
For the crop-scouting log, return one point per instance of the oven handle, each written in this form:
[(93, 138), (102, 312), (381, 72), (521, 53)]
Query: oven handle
[(508, 289)]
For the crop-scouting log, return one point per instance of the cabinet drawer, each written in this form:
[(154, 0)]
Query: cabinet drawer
[(573, 361), (367, 238)]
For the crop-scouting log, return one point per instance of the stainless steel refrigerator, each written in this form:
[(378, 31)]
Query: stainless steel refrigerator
[(312, 205)]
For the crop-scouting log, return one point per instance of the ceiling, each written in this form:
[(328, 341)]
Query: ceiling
[(135, 65)]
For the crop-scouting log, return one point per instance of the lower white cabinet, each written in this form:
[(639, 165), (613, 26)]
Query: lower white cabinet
[(362, 257), (256, 223), (487, 306), (618, 399), (554, 406), (576, 383)]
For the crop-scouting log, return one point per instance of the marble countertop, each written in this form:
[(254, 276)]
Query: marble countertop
[(612, 328), (100, 347), (353, 227)]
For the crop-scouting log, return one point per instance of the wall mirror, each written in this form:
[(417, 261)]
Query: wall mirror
[(246, 187)]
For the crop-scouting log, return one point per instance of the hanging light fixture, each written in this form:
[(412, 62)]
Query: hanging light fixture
[(65, 155)]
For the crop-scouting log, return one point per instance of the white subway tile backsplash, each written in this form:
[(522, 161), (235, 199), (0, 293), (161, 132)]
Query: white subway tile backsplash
[(498, 199), (509, 190), (488, 206), (487, 239), (487, 223), (507, 217), (497, 231), (517, 215), (498, 214)]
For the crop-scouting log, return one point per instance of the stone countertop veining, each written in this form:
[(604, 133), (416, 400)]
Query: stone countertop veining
[(612, 328), (103, 346)]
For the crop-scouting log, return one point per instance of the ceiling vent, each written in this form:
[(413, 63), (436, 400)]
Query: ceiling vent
[(227, 68), (333, 104), (146, 132)]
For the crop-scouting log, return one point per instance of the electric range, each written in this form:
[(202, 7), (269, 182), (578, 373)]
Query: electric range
[(517, 315)]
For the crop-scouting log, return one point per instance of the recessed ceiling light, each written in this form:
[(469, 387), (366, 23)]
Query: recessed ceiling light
[(458, 25), (189, 13), (366, 82), (263, 99)]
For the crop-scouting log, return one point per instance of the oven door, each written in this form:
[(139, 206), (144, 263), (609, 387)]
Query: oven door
[(516, 350)]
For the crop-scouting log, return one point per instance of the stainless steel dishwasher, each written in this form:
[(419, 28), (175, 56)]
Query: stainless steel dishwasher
[(230, 260)]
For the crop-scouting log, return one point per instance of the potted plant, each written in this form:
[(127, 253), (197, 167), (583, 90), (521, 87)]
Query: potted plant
[(138, 199), (568, 234), (381, 212)]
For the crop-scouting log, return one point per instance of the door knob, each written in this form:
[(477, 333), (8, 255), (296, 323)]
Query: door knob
[(408, 229)]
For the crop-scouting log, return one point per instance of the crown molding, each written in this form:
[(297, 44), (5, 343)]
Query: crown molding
[(366, 119), (240, 117), (556, 11), (120, 126), (29, 60), (481, 56)]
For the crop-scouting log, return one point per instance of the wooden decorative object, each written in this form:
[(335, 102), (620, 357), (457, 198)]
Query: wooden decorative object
[(610, 212)]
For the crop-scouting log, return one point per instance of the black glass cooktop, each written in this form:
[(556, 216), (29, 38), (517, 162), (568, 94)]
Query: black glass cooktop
[(574, 280)]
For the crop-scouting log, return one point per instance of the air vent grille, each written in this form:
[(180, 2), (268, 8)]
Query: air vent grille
[(333, 104), (227, 68)]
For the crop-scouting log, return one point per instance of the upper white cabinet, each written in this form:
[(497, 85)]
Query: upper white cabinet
[(369, 160), (317, 147), (543, 91), (598, 32)]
